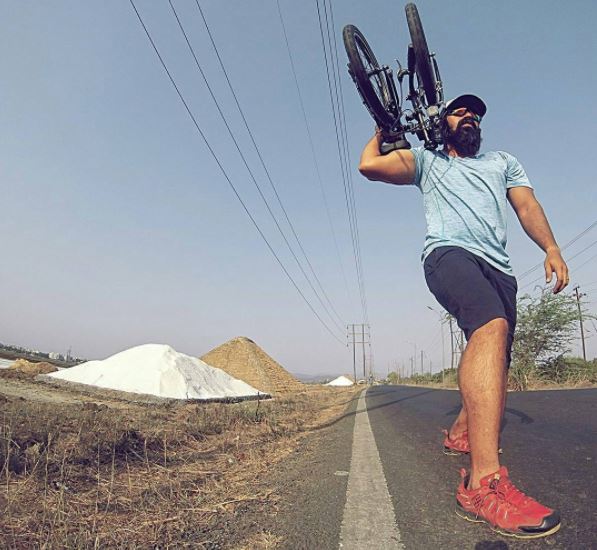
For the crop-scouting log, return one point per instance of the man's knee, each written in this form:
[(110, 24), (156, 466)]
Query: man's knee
[(497, 327)]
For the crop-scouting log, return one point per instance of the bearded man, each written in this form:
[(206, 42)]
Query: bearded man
[(467, 268)]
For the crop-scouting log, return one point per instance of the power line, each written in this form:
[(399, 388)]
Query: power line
[(340, 151), (223, 117), (344, 168), (331, 39), (310, 138), (201, 133), (583, 250), (240, 110), (586, 262), (569, 243), (568, 260)]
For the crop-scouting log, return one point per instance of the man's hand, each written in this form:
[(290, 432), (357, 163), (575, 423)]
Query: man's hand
[(554, 263)]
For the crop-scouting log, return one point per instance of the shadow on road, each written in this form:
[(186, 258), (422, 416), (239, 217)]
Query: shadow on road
[(524, 418), (491, 545), (353, 413)]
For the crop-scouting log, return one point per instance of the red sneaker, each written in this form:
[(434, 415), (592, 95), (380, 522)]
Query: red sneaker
[(507, 510), (457, 446)]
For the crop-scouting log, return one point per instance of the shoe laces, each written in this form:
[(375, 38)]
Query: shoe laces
[(508, 492)]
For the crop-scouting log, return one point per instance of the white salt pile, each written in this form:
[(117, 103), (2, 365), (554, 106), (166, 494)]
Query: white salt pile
[(159, 370), (340, 381), (5, 363)]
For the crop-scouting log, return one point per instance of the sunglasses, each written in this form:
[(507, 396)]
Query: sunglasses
[(460, 112)]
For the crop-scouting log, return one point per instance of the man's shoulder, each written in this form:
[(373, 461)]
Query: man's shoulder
[(498, 155), (424, 150), (422, 153), (485, 155), (503, 158)]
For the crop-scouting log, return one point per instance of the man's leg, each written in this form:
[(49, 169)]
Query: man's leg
[(460, 425), (481, 377), (488, 494)]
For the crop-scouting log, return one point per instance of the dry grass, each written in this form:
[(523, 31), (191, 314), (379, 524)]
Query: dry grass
[(22, 368), (91, 475), (562, 373), (260, 541)]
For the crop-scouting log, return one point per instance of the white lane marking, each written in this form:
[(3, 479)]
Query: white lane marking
[(369, 520)]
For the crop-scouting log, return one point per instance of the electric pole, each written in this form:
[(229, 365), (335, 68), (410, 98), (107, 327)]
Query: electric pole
[(365, 339), (582, 331), (456, 342), (363, 342), (443, 317), (354, 356)]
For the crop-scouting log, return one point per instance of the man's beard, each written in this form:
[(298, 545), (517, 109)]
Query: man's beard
[(466, 139)]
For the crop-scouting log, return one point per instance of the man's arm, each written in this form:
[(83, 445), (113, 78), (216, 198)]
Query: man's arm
[(533, 221), (396, 167)]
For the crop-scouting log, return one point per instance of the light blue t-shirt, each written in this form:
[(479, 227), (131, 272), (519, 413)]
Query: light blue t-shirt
[(465, 201)]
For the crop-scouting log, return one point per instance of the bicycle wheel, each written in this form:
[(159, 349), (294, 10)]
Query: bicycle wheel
[(424, 67), (369, 78)]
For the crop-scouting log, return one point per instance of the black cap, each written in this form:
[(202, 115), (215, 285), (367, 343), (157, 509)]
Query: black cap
[(474, 103)]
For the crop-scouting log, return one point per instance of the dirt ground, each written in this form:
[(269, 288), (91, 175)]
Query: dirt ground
[(82, 468)]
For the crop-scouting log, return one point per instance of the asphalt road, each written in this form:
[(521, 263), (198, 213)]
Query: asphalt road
[(550, 448)]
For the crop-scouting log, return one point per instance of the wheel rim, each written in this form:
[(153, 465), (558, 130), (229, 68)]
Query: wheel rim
[(425, 72), (374, 74)]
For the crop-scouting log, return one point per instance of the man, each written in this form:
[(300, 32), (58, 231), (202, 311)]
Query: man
[(468, 271)]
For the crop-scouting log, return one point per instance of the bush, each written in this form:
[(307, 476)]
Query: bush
[(546, 327), (568, 370)]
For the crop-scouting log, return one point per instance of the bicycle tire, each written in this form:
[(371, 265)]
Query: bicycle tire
[(424, 67), (377, 98)]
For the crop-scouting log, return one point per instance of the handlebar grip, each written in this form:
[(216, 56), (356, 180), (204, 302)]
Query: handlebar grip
[(386, 147)]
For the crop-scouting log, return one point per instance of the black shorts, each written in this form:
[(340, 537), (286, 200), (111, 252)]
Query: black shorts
[(471, 289)]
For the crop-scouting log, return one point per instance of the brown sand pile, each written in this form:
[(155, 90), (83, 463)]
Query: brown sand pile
[(31, 368), (244, 359)]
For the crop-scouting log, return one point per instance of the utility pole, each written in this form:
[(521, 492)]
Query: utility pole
[(354, 356), (457, 343), (422, 367), (365, 339), (451, 343), (582, 331), (443, 351), (414, 359), (442, 320), (363, 342)]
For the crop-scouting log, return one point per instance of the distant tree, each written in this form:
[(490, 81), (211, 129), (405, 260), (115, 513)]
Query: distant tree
[(393, 378), (546, 327)]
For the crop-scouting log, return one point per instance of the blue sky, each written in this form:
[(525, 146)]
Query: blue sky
[(118, 227)]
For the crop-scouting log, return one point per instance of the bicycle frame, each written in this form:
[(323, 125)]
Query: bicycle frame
[(423, 121)]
